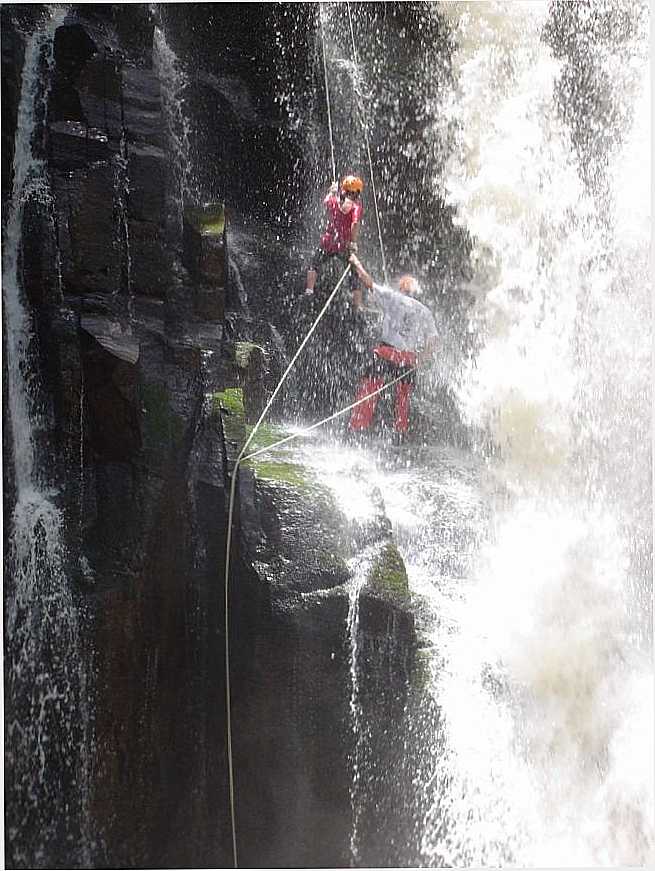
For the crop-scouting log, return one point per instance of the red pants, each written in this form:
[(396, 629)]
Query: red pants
[(362, 415)]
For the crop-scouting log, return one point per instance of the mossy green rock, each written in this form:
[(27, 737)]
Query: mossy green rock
[(161, 425), (302, 547), (203, 244), (274, 466), (243, 353), (208, 220), (251, 360), (388, 572), (230, 399)]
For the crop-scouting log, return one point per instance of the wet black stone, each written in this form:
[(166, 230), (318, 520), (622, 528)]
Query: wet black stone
[(203, 244), (88, 235), (74, 145), (147, 166), (73, 47), (151, 262), (100, 91), (143, 469)]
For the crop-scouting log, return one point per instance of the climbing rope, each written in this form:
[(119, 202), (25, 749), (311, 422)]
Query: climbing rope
[(242, 457), (242, 454), (364, 128), (327, 93), (228, 696), (368, 151), (308, 429)]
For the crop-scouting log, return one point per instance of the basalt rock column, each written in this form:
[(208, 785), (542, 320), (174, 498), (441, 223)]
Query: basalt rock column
[(205, 257)]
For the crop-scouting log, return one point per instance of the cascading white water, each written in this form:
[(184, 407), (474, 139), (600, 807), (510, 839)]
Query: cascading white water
[(533, 580), (551, 615), (122, 188), (28, 182), (174, 82), (46, 706), (359, 568)]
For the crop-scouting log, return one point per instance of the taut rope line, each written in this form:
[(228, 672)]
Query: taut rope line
[(327, 93), (240, 457), (230, 516), (228, 703), (308, 429), (368, 151)]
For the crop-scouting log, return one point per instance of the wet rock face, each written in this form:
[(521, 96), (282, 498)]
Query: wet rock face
[(232, 106), (108, 164), (161, 779), (132, 337), (12, 61), (138, 464), (293, 670)]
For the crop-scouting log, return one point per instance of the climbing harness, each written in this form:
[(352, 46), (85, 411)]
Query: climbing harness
[(364, 129), (368, 151), (243, 456)]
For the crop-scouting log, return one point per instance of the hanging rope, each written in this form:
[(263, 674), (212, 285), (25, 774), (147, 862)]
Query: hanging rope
[(228, 548), (368, 151), (327, 93), (242, 452), (242, 457), (308, 429)]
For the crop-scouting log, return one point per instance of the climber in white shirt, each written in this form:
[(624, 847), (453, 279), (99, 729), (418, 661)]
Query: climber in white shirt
[(407, 337)]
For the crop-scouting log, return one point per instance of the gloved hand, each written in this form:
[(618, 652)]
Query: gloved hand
[(352, 247), (334, 187)]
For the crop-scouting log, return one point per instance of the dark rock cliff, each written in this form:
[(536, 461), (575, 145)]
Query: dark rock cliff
[(132, 338)]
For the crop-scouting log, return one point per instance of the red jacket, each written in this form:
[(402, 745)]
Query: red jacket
[(339, 229)]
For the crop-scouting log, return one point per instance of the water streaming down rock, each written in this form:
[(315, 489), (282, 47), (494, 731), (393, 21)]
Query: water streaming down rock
[(174, 82), (122, 188), (506, 753), (557, 603), (360, 569), (547, 655), (538, 623), (392, 93), (46, 689)]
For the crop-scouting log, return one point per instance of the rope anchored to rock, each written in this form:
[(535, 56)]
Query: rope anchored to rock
[(243, 456)]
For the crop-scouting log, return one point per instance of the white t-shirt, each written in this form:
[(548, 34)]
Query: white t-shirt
[(407, 324)]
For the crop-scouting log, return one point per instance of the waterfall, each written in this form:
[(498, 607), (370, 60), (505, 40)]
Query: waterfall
[(122, 188), (530, 568), (553, 615), (174, 82), (46, 705), (360, 568), (28, 181)]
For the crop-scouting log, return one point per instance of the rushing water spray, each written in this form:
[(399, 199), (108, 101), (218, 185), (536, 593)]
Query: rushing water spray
[(46, 711), (359, 578), (532, 581), (122, 187), (551, 616), (174, 82)]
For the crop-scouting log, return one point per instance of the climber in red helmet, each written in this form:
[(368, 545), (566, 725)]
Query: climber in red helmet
[(344, 208), (407, 338)]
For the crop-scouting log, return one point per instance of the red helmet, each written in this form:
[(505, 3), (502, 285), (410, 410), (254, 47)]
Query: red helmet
[(352, 184)]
